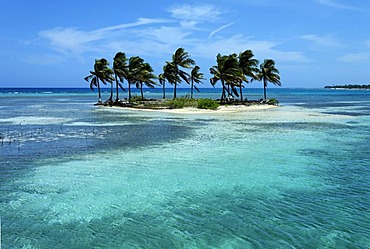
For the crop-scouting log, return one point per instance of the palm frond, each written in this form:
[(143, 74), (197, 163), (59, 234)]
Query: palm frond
[(184, 75), (235, 91), (88, 78), (122, 88)]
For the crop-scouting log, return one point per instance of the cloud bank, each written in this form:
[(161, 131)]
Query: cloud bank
[(198, 28)]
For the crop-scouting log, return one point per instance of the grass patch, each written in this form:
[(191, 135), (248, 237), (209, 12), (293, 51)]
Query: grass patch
[(182, 102), (209, 104), (272, 102)]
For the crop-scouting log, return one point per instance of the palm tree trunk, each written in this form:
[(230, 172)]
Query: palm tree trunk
[(141, 91), (241, 93), (176, 74), (192, 89), (174, 91), (117, 98), (129, 92), (164, 90), (223, 91), (264, 88), (111, 92), (99, 98)]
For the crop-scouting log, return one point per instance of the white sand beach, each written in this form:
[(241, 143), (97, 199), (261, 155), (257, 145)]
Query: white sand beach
[(192, 110)]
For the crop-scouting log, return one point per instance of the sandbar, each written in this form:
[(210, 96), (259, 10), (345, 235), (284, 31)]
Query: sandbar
[(193, 110)]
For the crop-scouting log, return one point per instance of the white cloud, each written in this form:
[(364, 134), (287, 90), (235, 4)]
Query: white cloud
[(339, 5), (195, 12), (188, 24), (219, 29), (155, 41), (159, 38), (356, 57), (139, 22), (261, 48), (327, 40), (71, 41), (165, 34)]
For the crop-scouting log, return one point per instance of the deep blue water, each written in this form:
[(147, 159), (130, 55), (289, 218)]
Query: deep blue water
[(308, 97), (74, 175)]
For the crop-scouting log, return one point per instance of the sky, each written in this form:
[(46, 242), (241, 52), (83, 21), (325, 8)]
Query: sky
[(313, 42)]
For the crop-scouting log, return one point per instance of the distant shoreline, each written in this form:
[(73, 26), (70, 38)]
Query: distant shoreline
[(350, 86)]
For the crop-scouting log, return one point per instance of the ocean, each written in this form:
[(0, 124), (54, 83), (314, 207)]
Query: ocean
[(74, 175)]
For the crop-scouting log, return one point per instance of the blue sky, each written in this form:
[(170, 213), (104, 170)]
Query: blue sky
[(54, 43)]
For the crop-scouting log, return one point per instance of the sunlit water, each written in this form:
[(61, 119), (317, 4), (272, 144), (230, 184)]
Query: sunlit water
[(78, 176)]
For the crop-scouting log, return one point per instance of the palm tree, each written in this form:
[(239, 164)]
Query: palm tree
[(226, 71), (134, 65), (238, 82), (195, 77), (181, 59), (217, 72), (101, 73), (249, 67), (145, 76), (162, 81), (120, 69), (169, 74), (94, 82), (268, 73), (105, 74)]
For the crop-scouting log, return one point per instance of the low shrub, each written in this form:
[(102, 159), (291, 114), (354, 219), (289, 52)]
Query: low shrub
[(182, 102), (135, 98), (272, 102), (207, 104)]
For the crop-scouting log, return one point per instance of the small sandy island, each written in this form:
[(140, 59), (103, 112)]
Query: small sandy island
[(255, 112), (192, 110)]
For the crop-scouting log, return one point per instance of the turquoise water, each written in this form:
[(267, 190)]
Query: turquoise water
[(78, 176)]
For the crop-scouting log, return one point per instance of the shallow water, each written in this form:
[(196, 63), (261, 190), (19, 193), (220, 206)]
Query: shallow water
[(79, 176)]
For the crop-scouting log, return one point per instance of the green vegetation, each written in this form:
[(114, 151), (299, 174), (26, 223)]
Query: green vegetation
[(101, 73), (195, 77), (350, 86), (249, 68), (119, 69), (268, 73), (175, 72), (209, 104), (181, 103), (272, 102), (178, 103), (228, 73), (231, 70)]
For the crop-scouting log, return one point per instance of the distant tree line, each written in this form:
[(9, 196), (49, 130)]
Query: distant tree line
[(232, 71), (350, 86)]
